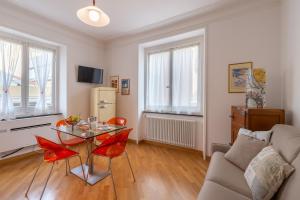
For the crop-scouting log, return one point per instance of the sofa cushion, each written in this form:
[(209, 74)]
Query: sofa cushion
[(266, 173), (260, 135), (227, 174), (290, 188), (214, 191), (243, 150), (286, 140)]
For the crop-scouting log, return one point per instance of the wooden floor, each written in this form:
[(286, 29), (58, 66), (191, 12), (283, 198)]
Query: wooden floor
[(161, 173)]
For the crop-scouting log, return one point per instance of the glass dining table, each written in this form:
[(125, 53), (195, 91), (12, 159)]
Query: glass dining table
[(89, 135)]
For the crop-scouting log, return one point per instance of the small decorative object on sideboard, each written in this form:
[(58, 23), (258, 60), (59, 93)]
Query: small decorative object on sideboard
[(254, 119), (255, 90)]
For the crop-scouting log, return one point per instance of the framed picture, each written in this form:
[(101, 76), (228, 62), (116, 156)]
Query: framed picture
[(125, 86), (237, 77), (114, 81)]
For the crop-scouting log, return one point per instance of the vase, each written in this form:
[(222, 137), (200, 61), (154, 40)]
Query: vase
[(255, 92)]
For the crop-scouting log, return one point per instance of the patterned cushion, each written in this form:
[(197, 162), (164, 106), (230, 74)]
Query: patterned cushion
[(266, 172)]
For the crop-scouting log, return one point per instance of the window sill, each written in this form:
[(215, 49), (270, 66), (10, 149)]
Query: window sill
[(41, 115), (33, 116), (171, 113)]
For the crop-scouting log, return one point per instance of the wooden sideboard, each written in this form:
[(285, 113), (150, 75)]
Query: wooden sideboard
[(254, 119)]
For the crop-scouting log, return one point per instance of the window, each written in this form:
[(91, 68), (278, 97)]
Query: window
[(173, 80), (27, 85)]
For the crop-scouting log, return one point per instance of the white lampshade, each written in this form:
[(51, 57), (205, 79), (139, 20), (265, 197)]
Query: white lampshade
[(93, 16)]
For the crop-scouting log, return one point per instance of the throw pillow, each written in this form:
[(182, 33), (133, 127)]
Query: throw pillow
[(260, 135), (243, 150), (266, 172)]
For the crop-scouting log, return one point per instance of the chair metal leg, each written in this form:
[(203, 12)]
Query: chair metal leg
[(66, 167), (47, 181), (36, 171), (112, 178), (69, 165), (130, 165)]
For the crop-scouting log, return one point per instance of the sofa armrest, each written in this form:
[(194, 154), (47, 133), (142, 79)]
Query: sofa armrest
[(220, 147)]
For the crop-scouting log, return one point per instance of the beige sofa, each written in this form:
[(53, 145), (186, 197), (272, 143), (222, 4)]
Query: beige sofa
[(225, 181)]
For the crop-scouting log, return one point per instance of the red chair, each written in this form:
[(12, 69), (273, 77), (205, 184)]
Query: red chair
[(67, 142), (52, 153), (113, 147), (119, 121)]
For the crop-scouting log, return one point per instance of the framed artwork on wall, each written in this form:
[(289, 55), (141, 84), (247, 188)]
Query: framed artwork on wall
[(237, 76), (125, 86), (114, 81)]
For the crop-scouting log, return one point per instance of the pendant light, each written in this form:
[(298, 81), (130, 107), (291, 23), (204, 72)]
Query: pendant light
[(93, 16)]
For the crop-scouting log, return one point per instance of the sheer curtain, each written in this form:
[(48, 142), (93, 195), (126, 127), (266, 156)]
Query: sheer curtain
[(158, 82), (186, 94), (42, 62), (10, 56), (174, 81)]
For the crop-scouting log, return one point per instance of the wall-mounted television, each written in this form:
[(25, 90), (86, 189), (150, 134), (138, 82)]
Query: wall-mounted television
[(90, 75)]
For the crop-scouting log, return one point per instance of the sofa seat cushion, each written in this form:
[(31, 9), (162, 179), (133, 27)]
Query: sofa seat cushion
[(214, 191), (227, 174)]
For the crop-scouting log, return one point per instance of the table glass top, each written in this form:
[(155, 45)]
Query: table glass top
[(83, 131)]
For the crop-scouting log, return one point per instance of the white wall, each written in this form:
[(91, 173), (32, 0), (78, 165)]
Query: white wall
[(251, 36), (245, 33), (80, 50), (291, 59)]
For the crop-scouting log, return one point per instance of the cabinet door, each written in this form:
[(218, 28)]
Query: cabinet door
[(238, 120), (106, 112), (238, 115), (235, 130), (107, 96)]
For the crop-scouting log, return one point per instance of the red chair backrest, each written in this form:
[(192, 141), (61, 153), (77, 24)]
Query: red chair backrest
[(58, 124), (119, 121), (120, 138), (114, 145), (48, 145), (61, 123)]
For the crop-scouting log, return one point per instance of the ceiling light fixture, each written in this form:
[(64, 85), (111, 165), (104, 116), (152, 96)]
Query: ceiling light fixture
[(93, 16)]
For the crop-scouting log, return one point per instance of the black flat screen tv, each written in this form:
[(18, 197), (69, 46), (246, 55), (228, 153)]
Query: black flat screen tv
[(90, 75)]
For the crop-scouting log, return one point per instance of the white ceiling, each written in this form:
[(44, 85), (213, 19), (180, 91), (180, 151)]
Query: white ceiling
[(127, 16)]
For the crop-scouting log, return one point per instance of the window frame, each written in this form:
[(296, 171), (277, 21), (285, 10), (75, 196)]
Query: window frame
[(26, 110), (170, 47)]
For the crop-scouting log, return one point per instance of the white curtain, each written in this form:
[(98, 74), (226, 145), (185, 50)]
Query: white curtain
[(42, 62), (158, 82), (10, 53), (186, 93)]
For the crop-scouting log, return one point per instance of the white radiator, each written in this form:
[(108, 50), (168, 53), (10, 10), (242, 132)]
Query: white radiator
[(15, 134), (179, 132)]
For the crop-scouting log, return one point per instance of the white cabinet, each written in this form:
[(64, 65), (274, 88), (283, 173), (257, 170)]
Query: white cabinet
[(103, 103)]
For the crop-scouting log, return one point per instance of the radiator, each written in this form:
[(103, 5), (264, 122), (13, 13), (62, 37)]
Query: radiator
[(179, 132), (20, 133)]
